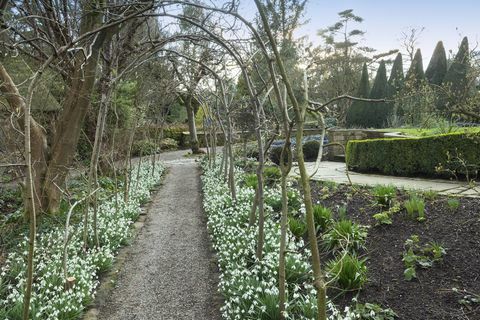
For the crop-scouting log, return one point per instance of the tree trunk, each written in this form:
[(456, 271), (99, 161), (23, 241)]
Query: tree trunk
[(194, 145), (38, 139), (106, 91), (75, 108)]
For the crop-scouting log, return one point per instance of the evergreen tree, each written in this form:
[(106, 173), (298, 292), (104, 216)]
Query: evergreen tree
[(396, 80), (356, 114), (415, 74), (437, 68), (377, 111), (395, 85), (456, 87)]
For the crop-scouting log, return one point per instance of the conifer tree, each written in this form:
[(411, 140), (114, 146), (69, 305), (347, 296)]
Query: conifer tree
[(456, 85), (415, 74), (396, 80), (356, 114), (437, 68), (377, 111), (395, 84)]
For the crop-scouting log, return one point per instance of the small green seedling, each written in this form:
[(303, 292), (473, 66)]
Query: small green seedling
[(384, 194), (385, 217), (423, 256), (453, 204)]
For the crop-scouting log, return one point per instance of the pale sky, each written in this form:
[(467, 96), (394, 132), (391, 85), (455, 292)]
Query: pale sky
[(384, 21)]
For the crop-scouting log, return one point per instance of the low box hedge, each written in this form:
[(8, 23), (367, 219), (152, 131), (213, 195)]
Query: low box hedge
[(436, 156)]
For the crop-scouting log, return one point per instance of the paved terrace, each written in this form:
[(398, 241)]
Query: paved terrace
[(336, 172)]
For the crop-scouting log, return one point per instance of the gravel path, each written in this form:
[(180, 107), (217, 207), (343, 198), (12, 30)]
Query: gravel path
[(170, 270)]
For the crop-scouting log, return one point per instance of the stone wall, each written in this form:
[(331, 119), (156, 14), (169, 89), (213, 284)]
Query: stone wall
[(342, 136)]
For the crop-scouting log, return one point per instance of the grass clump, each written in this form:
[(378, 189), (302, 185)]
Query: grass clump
[(348, 271), (346, 235), (453, 204), (297, 227), (323, 217), (415, 208)]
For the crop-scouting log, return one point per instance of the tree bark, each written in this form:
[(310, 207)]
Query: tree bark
[(75, 108), (192, 128)]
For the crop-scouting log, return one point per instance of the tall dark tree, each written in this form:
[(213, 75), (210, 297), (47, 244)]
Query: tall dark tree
[(356, 114), (415, 74), (338, 63), (457, 86), (437, 68), (377, 111), (396, 80)]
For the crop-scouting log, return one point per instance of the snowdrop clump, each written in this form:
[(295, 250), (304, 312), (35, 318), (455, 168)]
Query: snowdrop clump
[(51, 299), (250, 287)]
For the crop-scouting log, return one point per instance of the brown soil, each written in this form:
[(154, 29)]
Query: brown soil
[(430, 296)]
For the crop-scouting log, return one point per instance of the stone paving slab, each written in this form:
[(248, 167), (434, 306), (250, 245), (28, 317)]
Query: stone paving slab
[(336, 172)]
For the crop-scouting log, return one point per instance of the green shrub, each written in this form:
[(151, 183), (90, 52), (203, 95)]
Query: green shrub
[(275, 154), (432, 156), (272, 175), (252, 152), (168, 144), (297, 227), (143, 148), (175, 133), (349, 272), (310, 150), (251, 181), (322, 216)]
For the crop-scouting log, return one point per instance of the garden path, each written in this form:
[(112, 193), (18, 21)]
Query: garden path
[(170, 271)]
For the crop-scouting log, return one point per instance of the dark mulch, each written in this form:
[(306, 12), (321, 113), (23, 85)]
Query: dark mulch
[(430, 296)]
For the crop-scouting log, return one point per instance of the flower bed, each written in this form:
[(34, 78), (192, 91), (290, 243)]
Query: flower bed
[(50, 298), (250, 288)]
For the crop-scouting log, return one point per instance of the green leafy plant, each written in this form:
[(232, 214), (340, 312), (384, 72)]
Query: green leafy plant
[(385, 217), (384, 194), (251, 181), (453, 204), (297, 227), (373, 311), (348, 271), (346, 235), (323, 216), (467, 299), (417, 255), (415, 208)]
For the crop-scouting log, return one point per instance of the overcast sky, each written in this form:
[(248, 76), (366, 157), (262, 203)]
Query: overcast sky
[(384, 21)]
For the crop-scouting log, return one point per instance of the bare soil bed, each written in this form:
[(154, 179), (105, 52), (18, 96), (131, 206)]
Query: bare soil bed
[(430, 296)]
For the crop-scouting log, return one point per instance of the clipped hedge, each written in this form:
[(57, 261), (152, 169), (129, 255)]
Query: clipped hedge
[(436, 156), (310, 150)]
